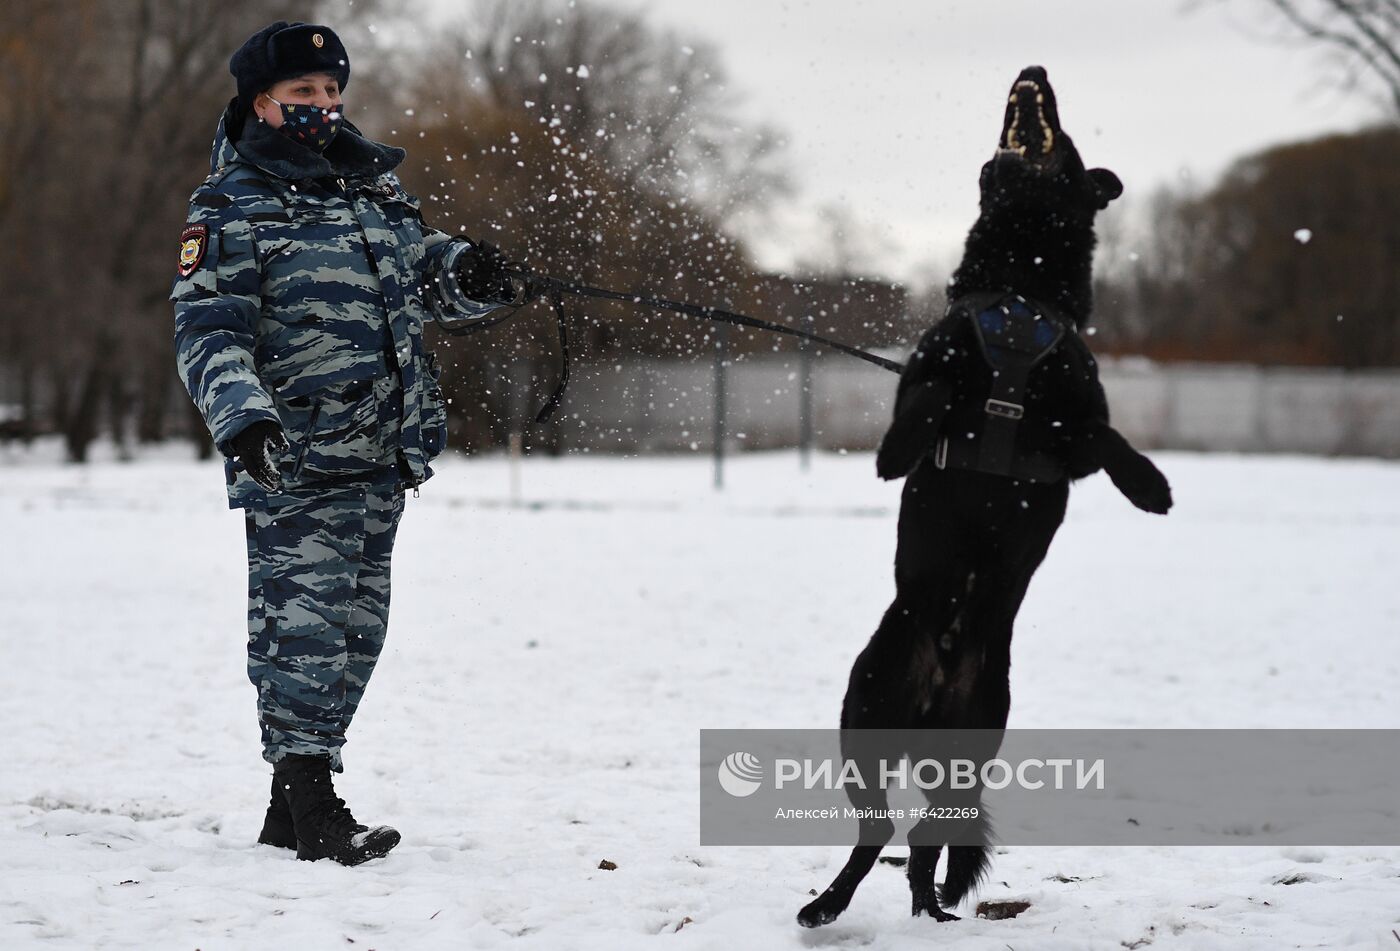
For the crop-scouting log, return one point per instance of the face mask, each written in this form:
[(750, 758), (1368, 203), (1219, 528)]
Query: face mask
[(309, 125)]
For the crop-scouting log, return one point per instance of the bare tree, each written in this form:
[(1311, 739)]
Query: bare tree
[(1364, 36), (605, 81)]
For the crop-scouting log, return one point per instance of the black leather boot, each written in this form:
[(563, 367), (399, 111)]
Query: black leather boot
[(277, 825), (323, 825)]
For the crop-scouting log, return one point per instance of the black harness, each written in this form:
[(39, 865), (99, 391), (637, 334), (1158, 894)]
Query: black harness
[(1014, 336)]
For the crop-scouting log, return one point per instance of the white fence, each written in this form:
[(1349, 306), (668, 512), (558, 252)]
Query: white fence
[(669, 406), (664, 406)]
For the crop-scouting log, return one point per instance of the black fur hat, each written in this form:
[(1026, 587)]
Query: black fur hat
[(282, 50)]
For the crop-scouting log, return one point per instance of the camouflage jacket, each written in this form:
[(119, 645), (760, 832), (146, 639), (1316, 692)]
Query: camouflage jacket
[(299, 300)]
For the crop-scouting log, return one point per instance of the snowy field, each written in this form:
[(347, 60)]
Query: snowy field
[(549, 667)]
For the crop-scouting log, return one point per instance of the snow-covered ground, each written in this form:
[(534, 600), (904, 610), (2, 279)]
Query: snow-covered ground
[(550, 665)]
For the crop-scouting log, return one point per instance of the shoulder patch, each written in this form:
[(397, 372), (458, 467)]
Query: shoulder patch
[(194, 241)]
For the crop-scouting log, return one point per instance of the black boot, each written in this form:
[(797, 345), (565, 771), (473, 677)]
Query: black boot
[(277, 826), (323, 825)]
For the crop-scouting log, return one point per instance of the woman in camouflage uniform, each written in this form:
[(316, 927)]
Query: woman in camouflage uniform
[(305, 276)]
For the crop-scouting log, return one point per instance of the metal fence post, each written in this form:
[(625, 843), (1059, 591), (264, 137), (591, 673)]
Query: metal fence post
[(804, 401)]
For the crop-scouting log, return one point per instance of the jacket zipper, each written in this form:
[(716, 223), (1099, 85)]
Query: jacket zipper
[(306, 446)]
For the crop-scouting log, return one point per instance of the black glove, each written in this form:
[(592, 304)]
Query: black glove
[(481, 274), (256, 447)]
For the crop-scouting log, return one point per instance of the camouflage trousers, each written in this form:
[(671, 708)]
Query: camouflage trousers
[(318, 608)]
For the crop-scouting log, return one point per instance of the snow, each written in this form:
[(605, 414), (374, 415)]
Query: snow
[(551, 662)]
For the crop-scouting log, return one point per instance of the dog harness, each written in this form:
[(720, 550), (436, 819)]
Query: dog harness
[(1013, 336)]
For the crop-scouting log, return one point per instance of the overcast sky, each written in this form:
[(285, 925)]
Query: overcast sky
[(891, 106)]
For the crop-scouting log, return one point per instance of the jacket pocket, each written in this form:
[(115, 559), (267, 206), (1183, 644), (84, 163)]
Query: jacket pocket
[(336, 433)]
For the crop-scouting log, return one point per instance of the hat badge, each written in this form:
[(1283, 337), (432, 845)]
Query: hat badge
[(317, 40)]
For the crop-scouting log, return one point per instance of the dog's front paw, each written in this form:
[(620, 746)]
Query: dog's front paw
[(890, 463), (1142, 484)]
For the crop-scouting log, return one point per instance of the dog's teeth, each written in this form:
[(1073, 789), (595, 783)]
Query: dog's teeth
[(1011, 99), (1039, 97)]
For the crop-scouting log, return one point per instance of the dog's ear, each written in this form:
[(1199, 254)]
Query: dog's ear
[(1106, 186)]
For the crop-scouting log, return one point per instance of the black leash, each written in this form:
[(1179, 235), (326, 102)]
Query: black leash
[(547, 410), (539, 285)]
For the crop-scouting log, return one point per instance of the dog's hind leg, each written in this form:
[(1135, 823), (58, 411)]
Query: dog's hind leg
[(888, 686), (968, 860), (876, 830), (925, 845), (875, 834), (868, 706)]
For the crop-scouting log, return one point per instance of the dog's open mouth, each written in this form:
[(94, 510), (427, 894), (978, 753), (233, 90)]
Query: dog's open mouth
[(1031, 130)]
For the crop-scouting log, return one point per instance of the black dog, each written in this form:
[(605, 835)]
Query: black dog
[(999, 408)]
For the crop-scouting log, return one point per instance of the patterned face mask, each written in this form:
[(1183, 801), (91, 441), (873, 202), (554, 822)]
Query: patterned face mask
[(309, 125)]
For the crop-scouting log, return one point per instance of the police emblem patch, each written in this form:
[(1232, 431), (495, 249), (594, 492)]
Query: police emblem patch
[(194, 240), (317, 40)]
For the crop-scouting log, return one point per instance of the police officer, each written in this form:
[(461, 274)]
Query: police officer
[(305, 275)]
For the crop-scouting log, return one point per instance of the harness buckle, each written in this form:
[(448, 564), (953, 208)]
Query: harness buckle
[(940, 453), (1004, 409)]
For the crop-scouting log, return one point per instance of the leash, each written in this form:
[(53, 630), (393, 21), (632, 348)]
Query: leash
[(556, 301), (553, 288)]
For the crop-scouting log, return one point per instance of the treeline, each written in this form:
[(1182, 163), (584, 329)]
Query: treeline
[(1293, 257)]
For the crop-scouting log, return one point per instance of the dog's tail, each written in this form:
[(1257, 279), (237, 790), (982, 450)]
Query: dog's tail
[(967, 864)]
